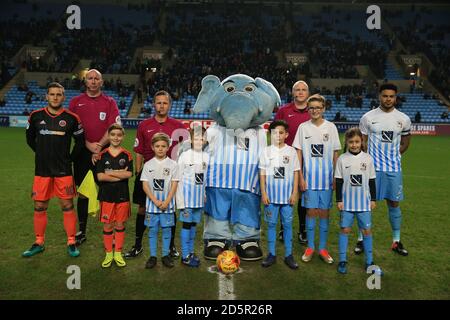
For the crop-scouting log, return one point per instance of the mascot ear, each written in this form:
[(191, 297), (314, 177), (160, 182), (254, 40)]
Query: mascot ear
[(209, 85), (268, 88)]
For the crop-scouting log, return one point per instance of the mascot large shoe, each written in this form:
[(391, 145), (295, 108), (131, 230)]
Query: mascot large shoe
[(239, 105)]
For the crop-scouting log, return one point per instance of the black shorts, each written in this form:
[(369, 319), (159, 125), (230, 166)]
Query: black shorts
[(81, 165), (139, 196)]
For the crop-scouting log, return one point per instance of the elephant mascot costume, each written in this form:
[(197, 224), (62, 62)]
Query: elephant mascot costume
[(239, 105)]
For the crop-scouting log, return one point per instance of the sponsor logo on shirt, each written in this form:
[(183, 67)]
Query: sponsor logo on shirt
[(387, 136), (278, 173), (51, 132), (199, 178), (158, 184), (356, 180), (317, 150)]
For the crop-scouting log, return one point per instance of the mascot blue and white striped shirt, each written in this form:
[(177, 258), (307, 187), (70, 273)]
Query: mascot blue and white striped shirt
[(234, 157)]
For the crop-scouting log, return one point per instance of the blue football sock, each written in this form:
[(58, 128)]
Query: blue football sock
[(310, 229), (343, 245), (185, 241), (271, 237), (287, 236), (323, 233), (395, 217), (192, 239), (368, 249), (166, 235), (153, 241)]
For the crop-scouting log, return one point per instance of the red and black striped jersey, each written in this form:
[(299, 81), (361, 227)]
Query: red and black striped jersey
[(114, 191), (50, 135)]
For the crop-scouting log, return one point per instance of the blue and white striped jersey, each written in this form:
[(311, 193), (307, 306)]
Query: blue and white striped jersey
[(234, 157), (318, 144), (192, 167), (384, 131), (159, 176), (279, 165), (356, 171)]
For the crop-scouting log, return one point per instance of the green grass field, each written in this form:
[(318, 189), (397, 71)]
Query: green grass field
[(424, 274)]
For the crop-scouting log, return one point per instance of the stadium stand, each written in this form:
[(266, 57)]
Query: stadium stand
[(200, 39), (15, 99)]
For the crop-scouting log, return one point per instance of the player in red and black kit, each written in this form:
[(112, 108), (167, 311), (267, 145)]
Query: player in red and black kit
[(161, 122), (97, 112), (49, 134), (295, 113), (114, 168)]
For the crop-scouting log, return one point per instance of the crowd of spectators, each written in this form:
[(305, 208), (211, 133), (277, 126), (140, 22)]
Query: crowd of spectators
[(203, 41)]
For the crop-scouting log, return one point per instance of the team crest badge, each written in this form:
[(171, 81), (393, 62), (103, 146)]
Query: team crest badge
[(363, 166), (62, 123), (325, 137), (122, 162), (399, 124), (204, 165), (102, 116), (285, 159), (166, 171)]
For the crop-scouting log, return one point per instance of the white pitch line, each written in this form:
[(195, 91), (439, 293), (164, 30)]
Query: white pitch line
[(226, 284), (226, 287)]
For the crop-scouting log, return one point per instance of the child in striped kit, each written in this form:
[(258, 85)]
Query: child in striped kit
[(279, 169), (355, 196), (159, 180), (317, 141), (190, 196)]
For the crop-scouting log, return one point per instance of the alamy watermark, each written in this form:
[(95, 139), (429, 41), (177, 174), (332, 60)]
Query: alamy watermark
[(374, 280), (74, 280)]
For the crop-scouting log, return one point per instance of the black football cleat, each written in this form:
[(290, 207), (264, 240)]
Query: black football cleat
[(133, 253), (269, 260), (151, 263), (290, 262), (359, 248), (397, 247), (80, 238)]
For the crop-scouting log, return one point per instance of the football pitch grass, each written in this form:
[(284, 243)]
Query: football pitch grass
[(424, 274)]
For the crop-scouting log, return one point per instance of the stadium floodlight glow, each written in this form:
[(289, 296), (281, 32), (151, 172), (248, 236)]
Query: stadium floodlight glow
[(153, 69), (412, 73)]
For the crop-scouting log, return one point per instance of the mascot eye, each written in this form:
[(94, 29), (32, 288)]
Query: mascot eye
[(229, 87), (249, 88)]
